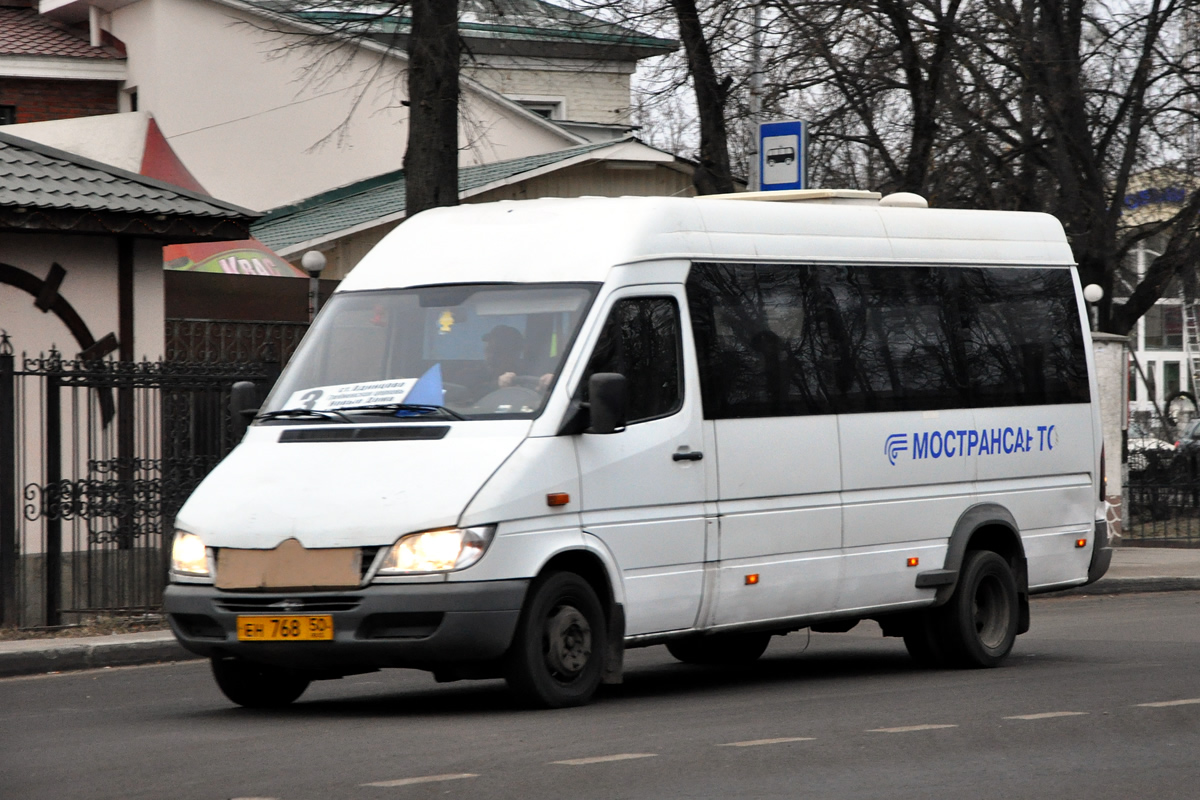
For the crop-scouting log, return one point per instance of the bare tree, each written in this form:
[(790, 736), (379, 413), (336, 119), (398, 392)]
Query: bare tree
[(431, 161), (1106, 92), (693, 101), (876, 76), (713, 175), (332, 34), (1025, 104)]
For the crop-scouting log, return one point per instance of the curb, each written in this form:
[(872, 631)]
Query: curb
[(34, 657), (1130, 586)]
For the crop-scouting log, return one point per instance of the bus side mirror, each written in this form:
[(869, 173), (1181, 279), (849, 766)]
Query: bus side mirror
[(608, 399), (243, 405)]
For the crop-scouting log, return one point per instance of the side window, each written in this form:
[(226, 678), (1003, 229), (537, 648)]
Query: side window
[(1026, 343), (792, 340), (640, 340), (769, 340), (908, 329)]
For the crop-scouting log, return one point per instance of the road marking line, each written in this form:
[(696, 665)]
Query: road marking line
[(910, 728), (574, 762), (1167, 703), (1050, 715), (423, 779), (756, 742)]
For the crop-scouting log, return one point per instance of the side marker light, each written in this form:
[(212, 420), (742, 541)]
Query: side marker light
[(752, 579), (558, 499), (1081, 542), (912, 562)]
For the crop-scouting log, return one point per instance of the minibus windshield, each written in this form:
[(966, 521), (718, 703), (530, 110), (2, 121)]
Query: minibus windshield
[(455, 351)]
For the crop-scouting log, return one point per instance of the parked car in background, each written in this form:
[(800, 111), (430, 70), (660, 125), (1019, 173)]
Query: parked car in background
[(1188, 447), (1146, 449)]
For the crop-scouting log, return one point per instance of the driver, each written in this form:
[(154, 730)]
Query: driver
[(500, 368)]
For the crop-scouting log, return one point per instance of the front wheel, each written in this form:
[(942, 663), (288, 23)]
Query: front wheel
[(257, 685), (979, 623), (557, 656)]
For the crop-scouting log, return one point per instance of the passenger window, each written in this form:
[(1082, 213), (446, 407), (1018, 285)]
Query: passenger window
[(790, 339), (768, 341), (640, 340)]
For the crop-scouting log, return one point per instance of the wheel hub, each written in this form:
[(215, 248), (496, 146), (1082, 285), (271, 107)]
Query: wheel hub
[(990, 612), (569, 641)]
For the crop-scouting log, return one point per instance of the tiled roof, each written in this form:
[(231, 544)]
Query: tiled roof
[(25, 32), (513, 20), (382, 196), (536, 19), (37, 177)]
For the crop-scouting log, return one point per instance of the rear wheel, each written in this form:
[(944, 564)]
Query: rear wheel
[(257, 685), (979, 623), (557, 656), (723, 648)]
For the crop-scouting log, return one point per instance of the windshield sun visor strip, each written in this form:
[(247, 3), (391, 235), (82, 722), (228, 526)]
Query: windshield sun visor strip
[(365, 434)]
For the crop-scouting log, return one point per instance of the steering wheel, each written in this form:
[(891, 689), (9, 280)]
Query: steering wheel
[(509, 400)]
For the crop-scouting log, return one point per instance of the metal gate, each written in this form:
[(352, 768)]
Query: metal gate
[(1162, 502), (96, 458)]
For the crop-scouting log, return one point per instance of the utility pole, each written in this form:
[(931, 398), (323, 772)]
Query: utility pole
[(755, 95)]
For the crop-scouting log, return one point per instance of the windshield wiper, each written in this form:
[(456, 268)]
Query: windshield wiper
[(319, 413), (419, 408)]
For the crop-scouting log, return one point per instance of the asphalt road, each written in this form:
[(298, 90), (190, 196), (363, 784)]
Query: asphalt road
[(1100, 700)]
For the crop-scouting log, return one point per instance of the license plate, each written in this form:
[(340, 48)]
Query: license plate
[(298, 628)]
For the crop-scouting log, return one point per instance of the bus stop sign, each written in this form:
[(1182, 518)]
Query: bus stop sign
[(782, 155)]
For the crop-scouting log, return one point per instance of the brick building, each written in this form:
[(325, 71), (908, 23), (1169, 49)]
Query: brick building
[(50, 70)]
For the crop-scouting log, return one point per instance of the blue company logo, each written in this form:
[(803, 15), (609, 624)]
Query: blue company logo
[(954, 443)]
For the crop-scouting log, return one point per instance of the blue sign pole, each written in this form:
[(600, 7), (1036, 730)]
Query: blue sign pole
[(783, 155)]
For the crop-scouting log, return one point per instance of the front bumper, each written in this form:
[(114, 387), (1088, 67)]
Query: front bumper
[(389, 625)]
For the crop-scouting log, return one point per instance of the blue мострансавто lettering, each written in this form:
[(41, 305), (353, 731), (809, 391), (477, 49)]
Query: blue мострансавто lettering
[(983, 442)]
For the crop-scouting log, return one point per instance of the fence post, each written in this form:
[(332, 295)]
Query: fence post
[(52, 493), (1111, 353), (126, 521), (8, 485)]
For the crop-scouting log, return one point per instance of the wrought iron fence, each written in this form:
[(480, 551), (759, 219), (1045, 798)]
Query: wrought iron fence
[(1162, 506), (212, 341), (97, 457)]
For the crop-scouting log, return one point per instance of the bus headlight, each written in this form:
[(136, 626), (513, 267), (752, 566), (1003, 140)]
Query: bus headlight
[(188, 554), (440, 550)]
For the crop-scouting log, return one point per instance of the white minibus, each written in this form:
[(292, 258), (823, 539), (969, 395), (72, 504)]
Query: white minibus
[(524, 436)]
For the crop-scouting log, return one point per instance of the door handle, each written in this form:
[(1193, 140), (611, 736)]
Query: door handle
[(687, 455)]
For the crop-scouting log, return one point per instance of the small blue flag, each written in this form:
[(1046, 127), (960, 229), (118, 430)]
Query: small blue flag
[(428, 389)]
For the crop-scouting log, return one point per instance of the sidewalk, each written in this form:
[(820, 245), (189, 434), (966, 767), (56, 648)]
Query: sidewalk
[(1134, 569)]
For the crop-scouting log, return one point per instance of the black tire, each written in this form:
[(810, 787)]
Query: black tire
[(557, 655), (726, 649), (979, 623), (922, 640), (257, 685)]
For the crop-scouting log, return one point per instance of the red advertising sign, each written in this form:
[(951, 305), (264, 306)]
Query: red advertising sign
[(242, 257)]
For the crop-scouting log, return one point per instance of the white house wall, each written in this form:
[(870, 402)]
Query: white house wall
[(601, 179), (590, 91), (594, 179), (90, 286), (240, 114)]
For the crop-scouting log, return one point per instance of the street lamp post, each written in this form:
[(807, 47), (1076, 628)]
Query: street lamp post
[(313, 262), (1093, 294)]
